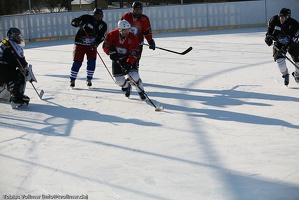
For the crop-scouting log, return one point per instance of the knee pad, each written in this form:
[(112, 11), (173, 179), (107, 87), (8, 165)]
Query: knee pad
[(120, 80), (17, 87), (135, 76), (10, 86), (281, 62), (137, 79)]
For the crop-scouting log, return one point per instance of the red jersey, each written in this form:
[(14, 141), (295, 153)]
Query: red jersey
[(126, 47), (141, 26)]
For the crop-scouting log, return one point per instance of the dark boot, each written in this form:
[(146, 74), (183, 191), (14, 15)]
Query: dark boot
[(72, 83), (296, 77), (142, 96), (17, 97), (88, 82), (127, 90), (286, 79)]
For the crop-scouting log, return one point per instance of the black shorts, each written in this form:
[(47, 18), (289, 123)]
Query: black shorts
[(117, 69), (293, 51)]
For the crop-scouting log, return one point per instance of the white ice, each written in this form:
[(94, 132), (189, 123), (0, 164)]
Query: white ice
[(229, 131)]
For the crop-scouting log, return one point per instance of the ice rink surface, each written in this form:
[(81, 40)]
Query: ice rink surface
[(229, 131)]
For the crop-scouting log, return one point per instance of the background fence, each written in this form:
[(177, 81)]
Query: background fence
[(163, 18)]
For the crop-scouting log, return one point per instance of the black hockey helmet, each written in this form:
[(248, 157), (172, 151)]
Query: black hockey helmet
[(285, 12), (15, 35), (97, 11), (137, 4)]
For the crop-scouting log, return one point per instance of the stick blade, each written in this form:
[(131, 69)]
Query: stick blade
[(187, 51), (41, 94), (159, 108)]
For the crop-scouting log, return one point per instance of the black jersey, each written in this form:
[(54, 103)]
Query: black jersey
[(96, 30), (289, 29), (11, 58)]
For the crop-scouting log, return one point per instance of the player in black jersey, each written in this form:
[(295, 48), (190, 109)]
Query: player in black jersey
[(91, 33), (14, 69), (284, 31)]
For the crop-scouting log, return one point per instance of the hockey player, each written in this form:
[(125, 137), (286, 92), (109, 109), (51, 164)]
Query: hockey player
[(140, 26), (284, 30), (122, 46), (91, 33), (14, 70)]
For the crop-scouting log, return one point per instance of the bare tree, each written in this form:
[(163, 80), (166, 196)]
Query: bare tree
[(11, 7), (60, 5), (8, 7), (121, 3)]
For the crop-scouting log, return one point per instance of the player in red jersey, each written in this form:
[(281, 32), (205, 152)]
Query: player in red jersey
[(140, 26), (122, 46)]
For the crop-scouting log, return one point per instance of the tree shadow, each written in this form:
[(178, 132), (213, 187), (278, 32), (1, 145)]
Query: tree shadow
[(222, 99), (61, 120)]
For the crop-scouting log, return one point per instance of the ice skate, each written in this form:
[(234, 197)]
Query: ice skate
[(18, 105), (88, 83), (127, 90), (142, 96), (286, 79), (72, 83), (296, 76), (17, 102)]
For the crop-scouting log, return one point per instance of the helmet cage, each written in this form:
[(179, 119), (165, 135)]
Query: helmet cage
[(15, 35)]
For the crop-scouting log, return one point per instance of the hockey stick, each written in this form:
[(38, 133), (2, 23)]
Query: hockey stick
[(94, 47), (157, 108), (181, 53), (40, 95), (284, 54)]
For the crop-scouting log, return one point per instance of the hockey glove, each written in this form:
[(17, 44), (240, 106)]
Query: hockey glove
[(98, 41), (113, 56), (269, 40), (95, 44), (295, 39), (82, 24), (29, 74), (126, 68), (152, 44), (78, 23), (75, 22)]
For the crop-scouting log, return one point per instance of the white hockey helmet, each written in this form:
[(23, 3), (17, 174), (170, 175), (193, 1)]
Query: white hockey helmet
[(123, 24)]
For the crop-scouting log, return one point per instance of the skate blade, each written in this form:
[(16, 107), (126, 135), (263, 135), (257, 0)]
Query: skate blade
[(17, 105)]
